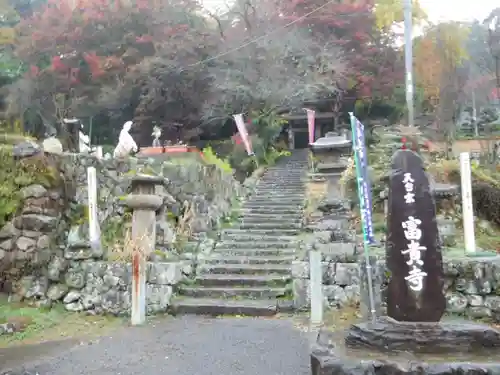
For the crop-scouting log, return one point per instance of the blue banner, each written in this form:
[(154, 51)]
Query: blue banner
[(364, 185)]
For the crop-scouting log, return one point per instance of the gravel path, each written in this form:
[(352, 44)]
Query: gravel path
[(189, 345)]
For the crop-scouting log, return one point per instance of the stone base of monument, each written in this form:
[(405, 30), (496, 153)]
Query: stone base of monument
[(419, 337), (390, 347)]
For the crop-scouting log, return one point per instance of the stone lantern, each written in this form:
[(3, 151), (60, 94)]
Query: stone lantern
[(331, 154), (144, 202)]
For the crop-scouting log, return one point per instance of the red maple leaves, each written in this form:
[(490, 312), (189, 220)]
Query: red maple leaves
[(373, 65)]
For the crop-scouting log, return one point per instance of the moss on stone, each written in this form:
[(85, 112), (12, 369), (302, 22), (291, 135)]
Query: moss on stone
[(114, 234), (17, 174)]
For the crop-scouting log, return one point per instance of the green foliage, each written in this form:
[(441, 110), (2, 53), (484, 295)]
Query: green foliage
[(211, 157), (385, 142), (265, 129), (16, 175), (267, 124), (79, 214)]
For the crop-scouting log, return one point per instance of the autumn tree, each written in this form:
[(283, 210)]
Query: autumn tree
[(9, 66), (493, 23), (106, 58), (263, 63), (440, 56), (374, 65), (481, 66)]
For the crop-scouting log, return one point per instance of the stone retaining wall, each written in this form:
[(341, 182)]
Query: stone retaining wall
[(49, 244), (104, 287), (329, 233), (472, 285)]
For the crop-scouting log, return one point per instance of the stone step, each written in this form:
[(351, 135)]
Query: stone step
[(274, 226), (242, 280), (274, 205), (263, 210), (283, 173), (279, 177), (249, 235), (256, 292), (210, 306), (277, 195), (282, 180), (261, 232), (253, 251), (243, 259), (296, 177), (287, 182), (268, 243), (270, 217), (270, 220), (284, 187), (275, 200), (284, 169), (245, 269)]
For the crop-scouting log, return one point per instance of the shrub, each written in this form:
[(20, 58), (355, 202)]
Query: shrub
[(211, 157), (486, 200)]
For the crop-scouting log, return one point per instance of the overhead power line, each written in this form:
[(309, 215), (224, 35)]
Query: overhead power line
[(263, 36)]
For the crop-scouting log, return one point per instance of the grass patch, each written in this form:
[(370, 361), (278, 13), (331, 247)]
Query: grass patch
[(43, 325)]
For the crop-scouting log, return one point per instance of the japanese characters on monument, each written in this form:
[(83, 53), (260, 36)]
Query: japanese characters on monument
[(413, 234), (366, 191)]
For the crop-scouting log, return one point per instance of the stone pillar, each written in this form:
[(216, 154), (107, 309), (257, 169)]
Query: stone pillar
[(291, 139), (144, 204), (377, 281)]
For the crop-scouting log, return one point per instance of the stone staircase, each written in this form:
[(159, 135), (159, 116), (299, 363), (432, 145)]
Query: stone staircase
[(249, 272)]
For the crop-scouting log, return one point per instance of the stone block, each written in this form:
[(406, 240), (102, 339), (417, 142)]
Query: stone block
[(346, 274), (338, 251), (456, 303), (300, 269), (158, 298), (301, 292), (165, 273)]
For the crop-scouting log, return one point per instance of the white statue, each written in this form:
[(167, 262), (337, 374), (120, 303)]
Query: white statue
[(126, 143), (156, 134), (83, 141)]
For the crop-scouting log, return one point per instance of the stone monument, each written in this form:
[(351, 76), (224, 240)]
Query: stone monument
[(73, 127), (413, 254), (445, 197), (331, 154), (413, 339), (126, 144)]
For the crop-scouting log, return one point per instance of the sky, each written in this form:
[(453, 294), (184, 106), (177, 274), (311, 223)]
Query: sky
[(438, 10), (459, 10)]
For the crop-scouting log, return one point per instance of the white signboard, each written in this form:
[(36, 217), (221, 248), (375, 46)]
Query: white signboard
[(94, 228), (467, 209)]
